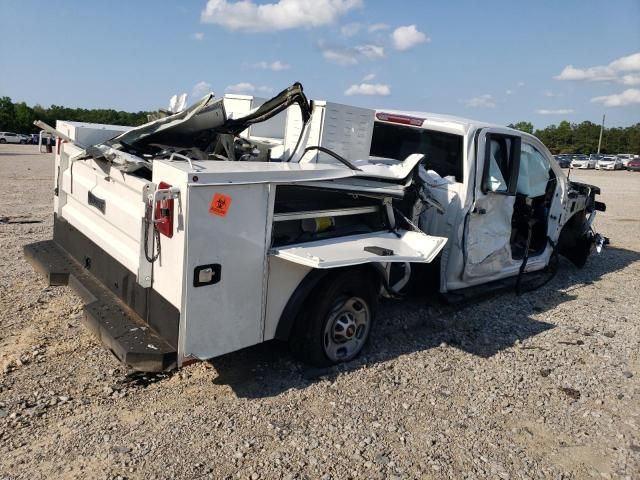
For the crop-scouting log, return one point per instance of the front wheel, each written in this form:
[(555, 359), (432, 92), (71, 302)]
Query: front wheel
[(335, 323), (2, 140)]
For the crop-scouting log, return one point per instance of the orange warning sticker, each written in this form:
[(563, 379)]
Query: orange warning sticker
[(220, 204)]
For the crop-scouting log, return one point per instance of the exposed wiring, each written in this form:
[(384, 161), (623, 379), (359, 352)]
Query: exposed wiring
[(340, 158), (295, 149)]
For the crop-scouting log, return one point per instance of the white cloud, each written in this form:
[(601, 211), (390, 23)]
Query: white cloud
[(351, 29), (368, 78), (407, 37), (372, 52), (197, 36), (628, 97), (483, 101), (243, 88), (630, 63), (559, 111), (550, 94), (606, 73), (378, 27), (508, 92), (341, 56), (276, 66), (353, 55), (630, 79), (200, 89), (248, 16), (377, 89), (593, 74), (246, 88), (521, 84)]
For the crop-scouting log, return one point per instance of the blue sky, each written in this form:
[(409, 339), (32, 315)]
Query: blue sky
[(493, 60)]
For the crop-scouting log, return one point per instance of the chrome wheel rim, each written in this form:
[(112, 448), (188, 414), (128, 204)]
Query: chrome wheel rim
[(346, 329)]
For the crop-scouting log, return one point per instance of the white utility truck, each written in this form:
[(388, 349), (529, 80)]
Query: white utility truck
[(239, 220)]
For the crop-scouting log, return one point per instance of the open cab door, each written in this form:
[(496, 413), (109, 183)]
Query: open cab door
[(487, 234)]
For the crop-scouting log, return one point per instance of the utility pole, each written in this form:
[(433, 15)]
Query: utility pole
[(601, 130)]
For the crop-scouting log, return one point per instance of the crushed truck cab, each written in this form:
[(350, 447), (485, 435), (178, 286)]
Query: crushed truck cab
[(241, 220)]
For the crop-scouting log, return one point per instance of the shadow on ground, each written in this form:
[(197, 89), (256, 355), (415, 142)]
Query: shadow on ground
[(481, 327)]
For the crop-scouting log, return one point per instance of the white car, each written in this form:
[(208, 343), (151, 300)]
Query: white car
[(583, 161), (10, 137), (610, 162)]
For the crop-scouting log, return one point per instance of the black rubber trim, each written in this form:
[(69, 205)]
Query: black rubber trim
[(308, 284), (119, 328), (290, 312)]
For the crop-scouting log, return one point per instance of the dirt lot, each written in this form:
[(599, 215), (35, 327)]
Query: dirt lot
[(544, 385)]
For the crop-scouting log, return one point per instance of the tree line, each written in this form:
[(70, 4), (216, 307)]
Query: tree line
[(583, 137), (19, 117), (562, 138)]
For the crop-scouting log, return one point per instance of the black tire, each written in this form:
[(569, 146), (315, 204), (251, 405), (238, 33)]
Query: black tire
[(2, 140), (23, 142), (341, 297)]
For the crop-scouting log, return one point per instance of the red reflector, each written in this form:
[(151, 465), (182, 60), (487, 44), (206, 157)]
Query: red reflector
[(403, 119), (164, 214)]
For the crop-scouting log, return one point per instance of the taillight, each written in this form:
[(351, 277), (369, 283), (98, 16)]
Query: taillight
[(164, 213), (402, 119)]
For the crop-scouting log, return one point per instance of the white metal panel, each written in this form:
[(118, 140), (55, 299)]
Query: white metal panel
[(345, 251), (89, 133), (344, 129), (168, 270), (120, 246), (117, 229), (227, 315), (222, 172), (284, 278)]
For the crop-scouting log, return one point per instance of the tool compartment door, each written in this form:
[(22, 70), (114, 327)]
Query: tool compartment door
[(226, 229), (104, 204), (378, 247)]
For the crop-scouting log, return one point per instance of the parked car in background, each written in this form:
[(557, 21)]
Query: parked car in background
[(24, 139), (10, 137), (634, 165), (610, 162), (563, 160), (625, 158), (595, 156), (33, 138), (583, 161)]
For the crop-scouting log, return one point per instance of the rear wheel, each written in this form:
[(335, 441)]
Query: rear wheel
[(335, 323), (2, 140)]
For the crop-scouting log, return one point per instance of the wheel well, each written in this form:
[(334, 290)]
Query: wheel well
[(307, 286)]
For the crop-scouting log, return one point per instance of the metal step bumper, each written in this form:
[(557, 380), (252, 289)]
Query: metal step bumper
[(119, 328)]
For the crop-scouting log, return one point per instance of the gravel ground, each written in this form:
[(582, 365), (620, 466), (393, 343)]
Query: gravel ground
[(545, 385)]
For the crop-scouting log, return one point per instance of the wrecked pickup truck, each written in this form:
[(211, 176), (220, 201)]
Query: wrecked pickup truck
[(239, 220)]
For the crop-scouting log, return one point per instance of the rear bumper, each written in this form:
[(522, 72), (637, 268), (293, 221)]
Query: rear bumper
[(119, 327)]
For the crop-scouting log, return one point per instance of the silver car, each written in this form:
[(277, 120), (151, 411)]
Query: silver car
[(610, 162), (10, 137), (583, 161)]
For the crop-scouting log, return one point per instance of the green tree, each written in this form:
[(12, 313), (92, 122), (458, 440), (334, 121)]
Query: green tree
[(526, 127), (7, 114)]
